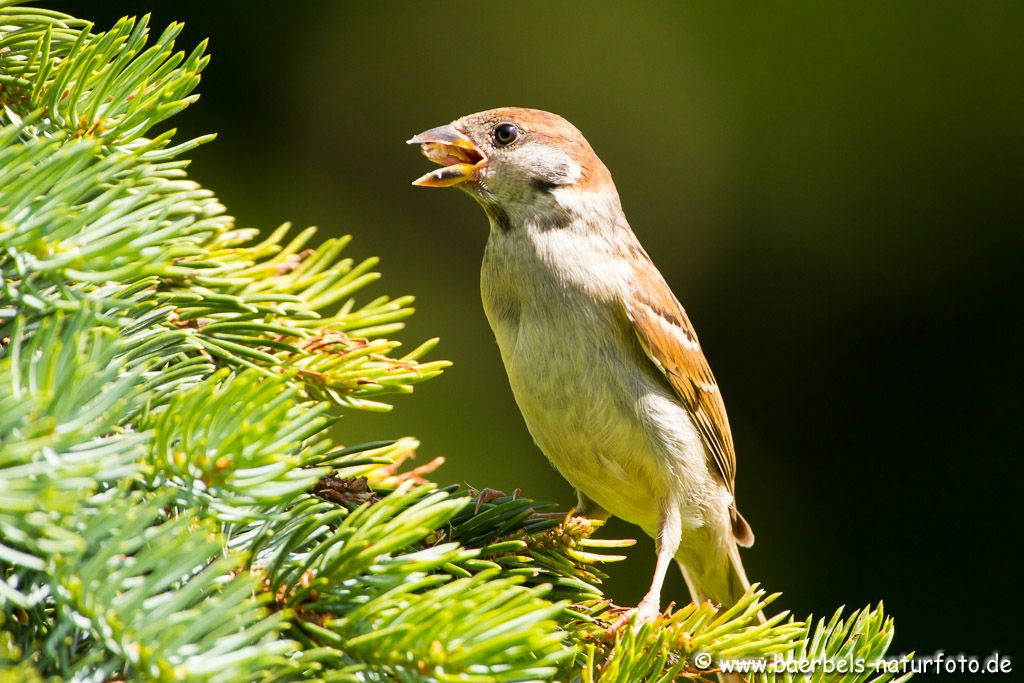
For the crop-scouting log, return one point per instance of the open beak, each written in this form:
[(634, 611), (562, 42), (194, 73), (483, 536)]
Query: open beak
[(459, 157)]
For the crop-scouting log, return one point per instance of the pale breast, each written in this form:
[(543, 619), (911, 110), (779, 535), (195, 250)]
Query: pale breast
[(591, 400)]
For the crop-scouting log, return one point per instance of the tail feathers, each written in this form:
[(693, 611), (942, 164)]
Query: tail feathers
[(723, 581)]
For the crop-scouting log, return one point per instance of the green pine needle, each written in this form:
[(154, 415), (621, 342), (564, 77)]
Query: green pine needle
[(171, 507)]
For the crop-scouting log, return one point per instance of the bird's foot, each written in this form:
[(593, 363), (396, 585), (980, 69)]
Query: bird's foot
[(646, 612)]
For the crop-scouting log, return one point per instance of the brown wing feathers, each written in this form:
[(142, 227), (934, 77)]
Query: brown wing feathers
[(670, 341)]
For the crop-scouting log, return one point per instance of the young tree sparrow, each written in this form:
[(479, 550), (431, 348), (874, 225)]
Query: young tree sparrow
[(604, 364)]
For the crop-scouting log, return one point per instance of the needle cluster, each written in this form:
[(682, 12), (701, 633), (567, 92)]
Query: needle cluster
[(172, 506)]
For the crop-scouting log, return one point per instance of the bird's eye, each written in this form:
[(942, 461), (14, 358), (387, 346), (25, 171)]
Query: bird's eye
[(505, 134)]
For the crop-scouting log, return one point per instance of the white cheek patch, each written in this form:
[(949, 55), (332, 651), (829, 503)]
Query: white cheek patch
[(572, 172), (558, 166)]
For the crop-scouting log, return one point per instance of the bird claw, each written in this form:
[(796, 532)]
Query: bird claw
[(645, 612)]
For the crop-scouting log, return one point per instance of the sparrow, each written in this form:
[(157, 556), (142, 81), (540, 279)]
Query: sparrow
[(603, 361)]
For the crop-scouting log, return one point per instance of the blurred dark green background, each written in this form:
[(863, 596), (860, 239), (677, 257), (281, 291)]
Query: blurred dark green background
[(834, 190)]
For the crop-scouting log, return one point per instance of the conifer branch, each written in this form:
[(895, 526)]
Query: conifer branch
[(171, 506)]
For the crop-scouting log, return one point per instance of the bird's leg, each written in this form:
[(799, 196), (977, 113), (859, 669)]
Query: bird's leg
[(650, 606), (667, 542)]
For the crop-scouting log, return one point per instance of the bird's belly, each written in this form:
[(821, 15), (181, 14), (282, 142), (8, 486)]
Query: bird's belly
[(583, 398), (597, 407)]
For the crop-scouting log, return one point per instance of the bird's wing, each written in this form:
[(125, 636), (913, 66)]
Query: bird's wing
[(669, 340)]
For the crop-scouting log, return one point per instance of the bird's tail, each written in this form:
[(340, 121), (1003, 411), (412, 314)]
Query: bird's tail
[(717, 577)]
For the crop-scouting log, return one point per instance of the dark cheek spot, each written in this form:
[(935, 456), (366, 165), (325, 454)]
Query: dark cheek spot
[(542, 184)]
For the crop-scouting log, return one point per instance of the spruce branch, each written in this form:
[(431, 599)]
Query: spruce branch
[(171, 505)]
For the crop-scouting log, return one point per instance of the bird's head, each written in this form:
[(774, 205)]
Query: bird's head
[(512, 159)]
